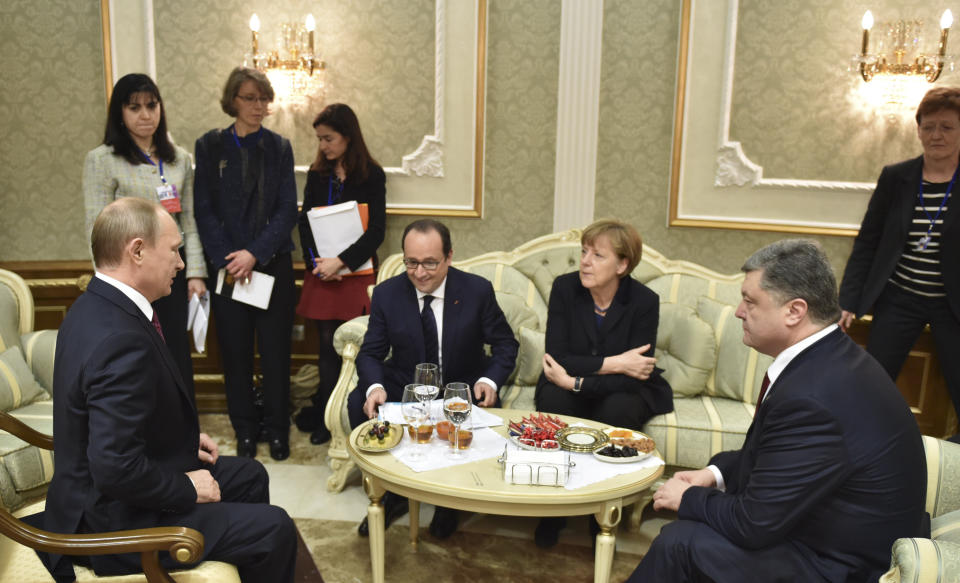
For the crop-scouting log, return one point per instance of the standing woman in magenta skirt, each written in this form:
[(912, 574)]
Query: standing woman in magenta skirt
[(137, 159), (343, 171)]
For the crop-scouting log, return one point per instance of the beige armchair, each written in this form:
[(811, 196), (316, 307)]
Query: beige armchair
[(936, 559)]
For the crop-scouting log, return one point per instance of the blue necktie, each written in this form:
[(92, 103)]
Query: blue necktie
[(429, 323)]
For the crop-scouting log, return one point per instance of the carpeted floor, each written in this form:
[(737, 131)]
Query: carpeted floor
[(485, 548)]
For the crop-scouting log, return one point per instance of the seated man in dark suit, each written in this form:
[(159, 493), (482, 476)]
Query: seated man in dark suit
[(128, 448), (404, 318), (832, 469)]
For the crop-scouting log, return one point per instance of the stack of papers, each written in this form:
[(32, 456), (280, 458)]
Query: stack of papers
[(254, 291), (335, 228), (198, 318)]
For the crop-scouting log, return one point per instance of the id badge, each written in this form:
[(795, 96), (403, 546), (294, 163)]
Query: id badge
[(169, 197)]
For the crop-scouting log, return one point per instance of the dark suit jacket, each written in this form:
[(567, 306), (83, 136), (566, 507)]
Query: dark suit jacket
[(883, 234), (575, 343), (227, 218), (471, 318), (125, 427), (833, 463), (371, 192)]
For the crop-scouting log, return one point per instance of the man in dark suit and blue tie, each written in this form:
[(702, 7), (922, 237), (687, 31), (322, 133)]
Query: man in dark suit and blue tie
[(832, 469), (128, 448), (433, 313)]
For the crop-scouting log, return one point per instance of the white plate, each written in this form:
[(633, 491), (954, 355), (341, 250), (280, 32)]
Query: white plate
[(621, 460)]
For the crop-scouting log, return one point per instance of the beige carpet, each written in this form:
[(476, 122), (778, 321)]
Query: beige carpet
[(342, 556)]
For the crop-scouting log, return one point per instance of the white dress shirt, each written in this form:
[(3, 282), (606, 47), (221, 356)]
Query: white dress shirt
[(135, 296)]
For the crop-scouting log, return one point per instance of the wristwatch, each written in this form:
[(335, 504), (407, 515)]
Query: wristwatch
[(576, 384)]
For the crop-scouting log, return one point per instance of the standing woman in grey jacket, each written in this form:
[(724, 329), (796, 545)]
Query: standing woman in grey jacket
[(138, 159)]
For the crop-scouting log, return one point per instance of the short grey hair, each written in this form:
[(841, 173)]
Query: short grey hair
[(120, 222), (232, 87), (798, 268)]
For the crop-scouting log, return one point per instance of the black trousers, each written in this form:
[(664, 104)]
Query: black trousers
[(898, 319), (242, 529), (688, 551), (238, 325), (172, 312), (621, 409)]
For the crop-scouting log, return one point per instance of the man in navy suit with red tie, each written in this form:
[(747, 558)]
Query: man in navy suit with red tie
[(128, 448), (832, 469), (406, 313)]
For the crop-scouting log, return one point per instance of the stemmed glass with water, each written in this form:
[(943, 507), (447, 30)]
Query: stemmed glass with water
[(415, 412), (456, 408), (427, 377)]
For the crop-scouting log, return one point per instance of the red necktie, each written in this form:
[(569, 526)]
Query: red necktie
[(156, 324), (763, 391)]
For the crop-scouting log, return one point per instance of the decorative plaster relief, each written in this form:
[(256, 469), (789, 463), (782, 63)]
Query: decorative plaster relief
[(427, 159)]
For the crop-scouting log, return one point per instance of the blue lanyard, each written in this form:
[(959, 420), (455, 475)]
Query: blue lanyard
[(330, 190), (925, 240), (159, 164), (236, 140)]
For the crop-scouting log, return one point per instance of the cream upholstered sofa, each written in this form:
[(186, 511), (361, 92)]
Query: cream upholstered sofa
[(936, 559), (715, 378), (26, 382)]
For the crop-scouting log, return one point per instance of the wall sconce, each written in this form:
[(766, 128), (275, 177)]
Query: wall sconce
[(899, 72), (295, 69)]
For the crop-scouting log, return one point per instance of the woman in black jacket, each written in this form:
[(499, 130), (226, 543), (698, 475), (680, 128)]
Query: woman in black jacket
[(245, 202), (905, 263), (600, 342), (343, 171)]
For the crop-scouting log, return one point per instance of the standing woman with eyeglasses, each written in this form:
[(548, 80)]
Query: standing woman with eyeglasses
[(246, 207), (343, 171), (138, 159)]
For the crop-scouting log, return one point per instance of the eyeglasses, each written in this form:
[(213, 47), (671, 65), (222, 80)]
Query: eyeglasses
[(254, 98), (429, 265)]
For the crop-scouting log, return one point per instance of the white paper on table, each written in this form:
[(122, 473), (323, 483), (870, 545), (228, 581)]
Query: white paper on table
[(255, 292), (486, 444), (335, 228), (393, 413), (589, 470), (198, 319)]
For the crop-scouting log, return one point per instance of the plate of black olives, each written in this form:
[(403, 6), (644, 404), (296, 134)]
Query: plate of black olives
[(619, 454), (377, 436)]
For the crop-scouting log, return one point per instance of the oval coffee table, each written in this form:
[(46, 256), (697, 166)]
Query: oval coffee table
[(479, 487)]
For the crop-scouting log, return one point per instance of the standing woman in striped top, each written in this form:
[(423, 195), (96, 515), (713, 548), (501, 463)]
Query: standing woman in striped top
[(137, 159), (905, 263)]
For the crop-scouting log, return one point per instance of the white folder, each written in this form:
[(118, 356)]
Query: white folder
[(335, 228)]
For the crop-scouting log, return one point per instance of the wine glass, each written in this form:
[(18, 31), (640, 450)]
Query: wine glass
[(456, 408), (427, 376), (413, 413)]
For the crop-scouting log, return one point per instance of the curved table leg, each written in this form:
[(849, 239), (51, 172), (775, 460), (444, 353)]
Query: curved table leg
[(608, 518), (375, 515), (414, 523)]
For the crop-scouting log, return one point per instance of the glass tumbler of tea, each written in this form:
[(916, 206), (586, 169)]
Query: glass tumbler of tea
[(456, 408)]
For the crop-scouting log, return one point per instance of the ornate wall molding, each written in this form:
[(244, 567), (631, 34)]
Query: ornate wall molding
[(714, 183), (427, 159), (578, 113), (734, 167)]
